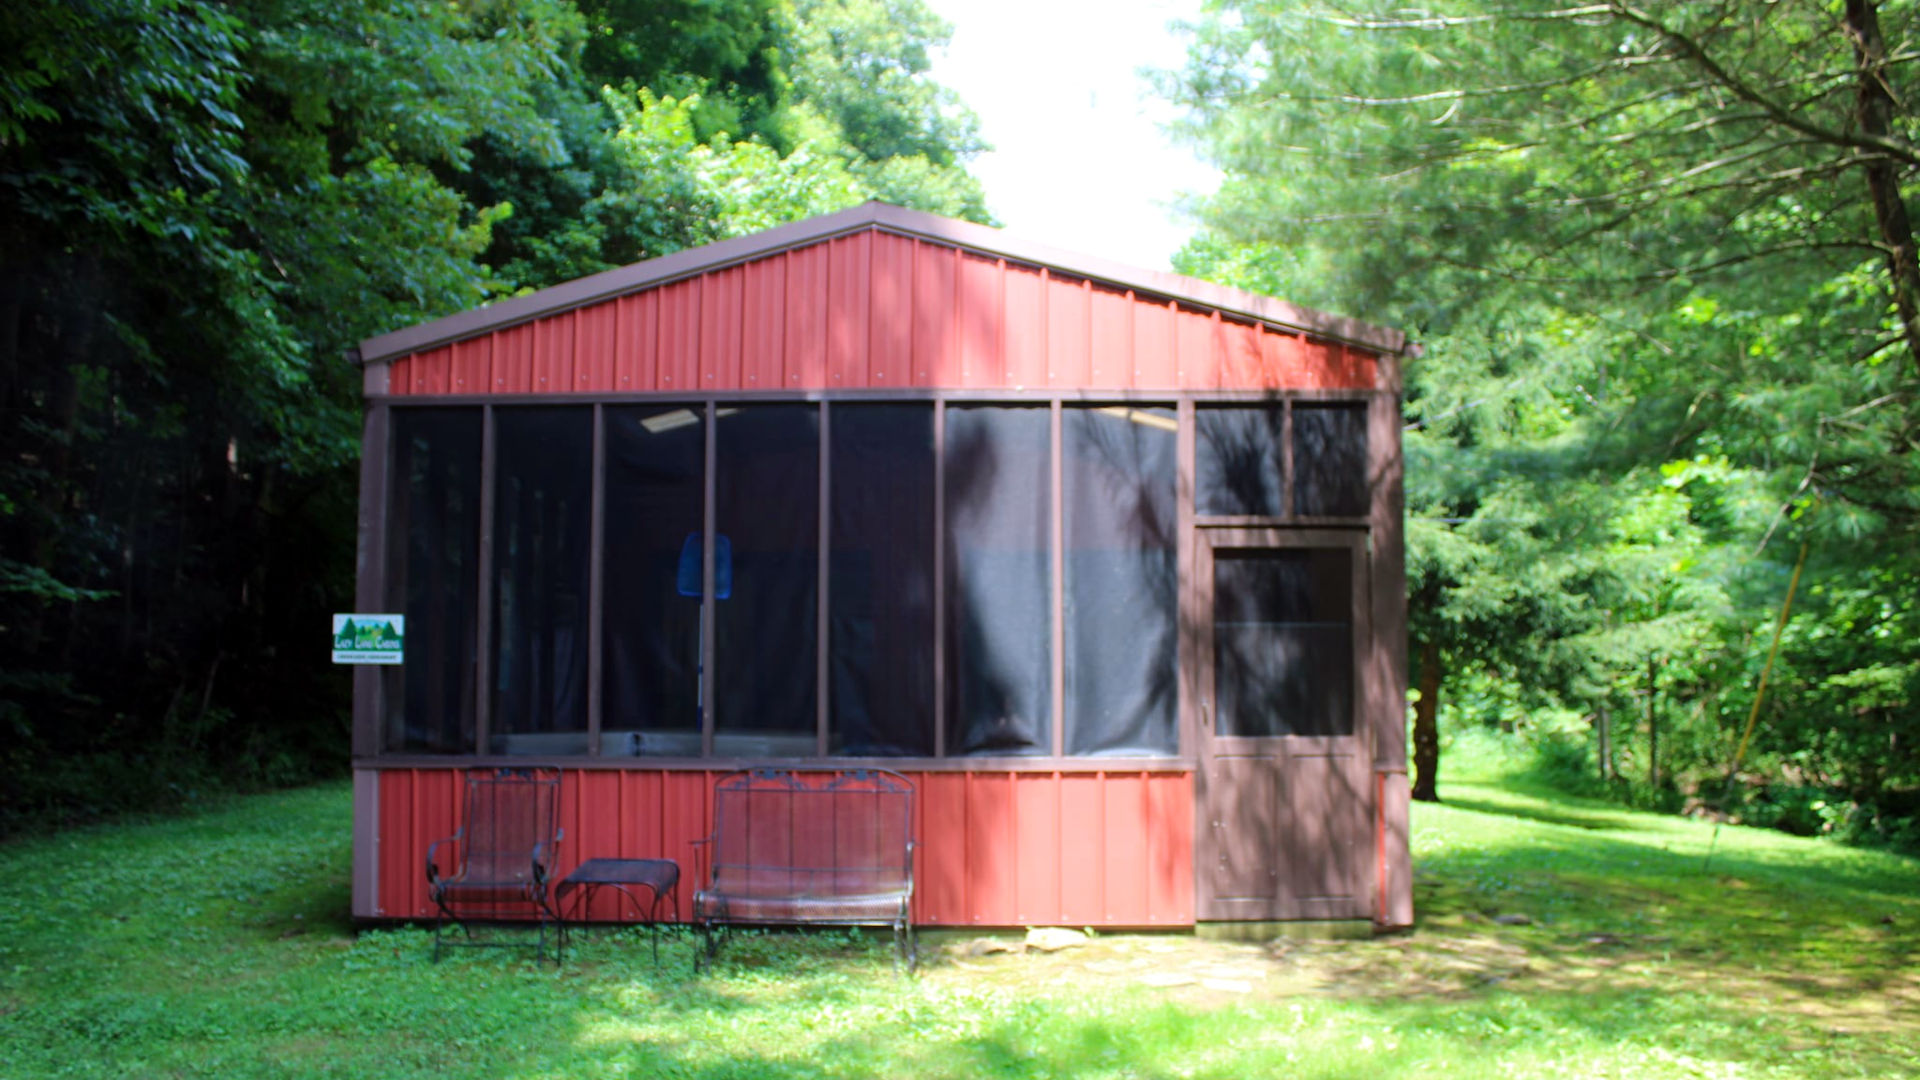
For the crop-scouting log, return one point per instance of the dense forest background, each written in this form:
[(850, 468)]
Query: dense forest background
[(1663, 264), (204, 203), (1660, 259)]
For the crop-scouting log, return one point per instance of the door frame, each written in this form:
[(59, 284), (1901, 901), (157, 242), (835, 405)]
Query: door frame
[(1207, 540)]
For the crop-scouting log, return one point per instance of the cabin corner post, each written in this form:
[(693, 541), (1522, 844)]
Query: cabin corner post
[(366, 844), (370, 572), (370, 592), (1387, 666)]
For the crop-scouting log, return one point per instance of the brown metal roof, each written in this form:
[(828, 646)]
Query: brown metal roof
[(881, 216)]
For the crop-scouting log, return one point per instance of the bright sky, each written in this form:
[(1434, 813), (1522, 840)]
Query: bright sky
[(1080, 161)]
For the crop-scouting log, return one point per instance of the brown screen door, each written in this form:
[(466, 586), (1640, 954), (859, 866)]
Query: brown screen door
[(1286, 802)]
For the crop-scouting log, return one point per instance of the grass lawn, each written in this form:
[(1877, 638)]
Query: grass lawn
[(1556, 938)]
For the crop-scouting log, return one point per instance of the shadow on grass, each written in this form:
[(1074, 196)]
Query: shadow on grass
[(1595, 822)]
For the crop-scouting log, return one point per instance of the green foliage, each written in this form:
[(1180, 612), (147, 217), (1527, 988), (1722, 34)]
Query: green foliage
[(204, 204), (1648, 251), (217, 944)]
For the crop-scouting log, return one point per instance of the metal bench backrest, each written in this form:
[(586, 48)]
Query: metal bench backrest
[(792, 834), (512, 819)]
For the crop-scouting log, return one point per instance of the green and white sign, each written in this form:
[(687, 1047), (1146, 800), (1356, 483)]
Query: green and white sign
[(369, 639)]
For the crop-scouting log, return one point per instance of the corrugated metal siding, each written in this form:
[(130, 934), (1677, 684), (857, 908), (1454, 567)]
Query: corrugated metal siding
[(874, 310), (995, 848)]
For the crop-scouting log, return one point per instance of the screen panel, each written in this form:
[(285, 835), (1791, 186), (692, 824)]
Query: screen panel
[(1283, 641), (543, 472), (1330, 459), (881, 580), (433, 578), (767, 491), (650, 630), (999, 580), (1238, 460), (1118, 475)]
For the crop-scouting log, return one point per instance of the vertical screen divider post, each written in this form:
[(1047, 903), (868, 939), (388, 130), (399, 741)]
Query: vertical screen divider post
[(822, 608), (1057, 572), (709, 610), (596, 576), (939, 578), (483, 631)]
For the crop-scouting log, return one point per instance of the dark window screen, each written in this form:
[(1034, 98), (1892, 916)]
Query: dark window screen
[(1237, 460), (650, 632), (999, 654), (881, 580), (543, 471), (1330, 460), (434, 578), (1283, 641), (1117, 472), (768, 492)]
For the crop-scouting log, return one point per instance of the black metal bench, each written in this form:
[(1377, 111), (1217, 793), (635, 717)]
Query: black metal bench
[(796, 847)]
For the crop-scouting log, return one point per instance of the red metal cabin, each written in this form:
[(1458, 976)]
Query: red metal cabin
[(1109, 561)]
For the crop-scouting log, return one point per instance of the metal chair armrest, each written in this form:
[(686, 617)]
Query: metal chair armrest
[(433, 851)]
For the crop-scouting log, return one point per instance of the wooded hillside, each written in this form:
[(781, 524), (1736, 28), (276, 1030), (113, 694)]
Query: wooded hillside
[(204, 203)]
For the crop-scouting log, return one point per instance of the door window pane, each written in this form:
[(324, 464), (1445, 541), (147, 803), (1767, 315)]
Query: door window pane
[(1118, 469), (880, 584), (434, 579), (1237, 460), (543, 471), (999, 638), (650, 629), (768, 518), (1330, 459), (1283, 641)]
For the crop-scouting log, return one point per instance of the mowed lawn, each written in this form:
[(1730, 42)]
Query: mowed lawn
[(1557, 938)]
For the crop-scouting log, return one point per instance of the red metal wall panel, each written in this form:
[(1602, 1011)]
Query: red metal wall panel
[(890, 358), (636, 360), (1240, 356), (992, 838), (1024, 332), (763, 337), (1154, 366), (553, 351), (721, 296), (1082, 865), (1125, 811), (980, 305), (877, 310), (1069, 333), (596, 330), (940, 871), (806, 352), (513, 360), (1036, 896), (472, 365), (428, 372), (935, 344), (679, 351), (849, 293), (1198, 349), (995, 848), (1170, 848), (1110, 328)]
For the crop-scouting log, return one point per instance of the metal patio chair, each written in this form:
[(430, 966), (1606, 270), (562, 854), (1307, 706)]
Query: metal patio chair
[(500, 862)]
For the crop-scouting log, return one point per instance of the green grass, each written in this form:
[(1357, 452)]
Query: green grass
[(219, 946)]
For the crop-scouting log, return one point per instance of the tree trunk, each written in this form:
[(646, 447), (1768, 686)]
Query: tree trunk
[(1603, 723), (1873, 111), (1653, 730), (1426, 727)]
